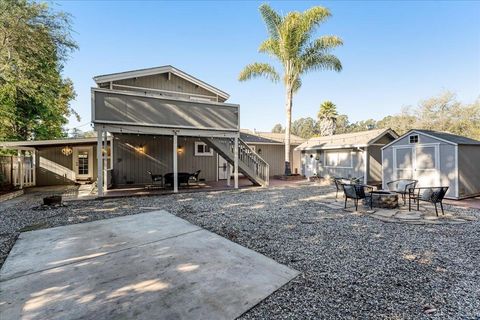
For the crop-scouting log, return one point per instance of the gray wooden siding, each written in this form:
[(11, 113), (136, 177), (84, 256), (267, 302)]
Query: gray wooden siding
[(54, 168), (161, 82), (131, 166), (374, 173), (128, 109), (469, 170), (274, 155), (357, 169)]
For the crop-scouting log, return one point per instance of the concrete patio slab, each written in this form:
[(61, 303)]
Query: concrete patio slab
[(175, 271), (49, 248)]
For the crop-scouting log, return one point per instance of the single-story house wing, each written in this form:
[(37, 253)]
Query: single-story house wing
[(435, 159), (349, 155)]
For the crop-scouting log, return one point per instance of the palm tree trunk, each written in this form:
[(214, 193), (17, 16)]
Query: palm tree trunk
[(288, 124)]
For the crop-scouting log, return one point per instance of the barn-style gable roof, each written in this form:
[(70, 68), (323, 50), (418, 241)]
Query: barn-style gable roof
[(159, 70)]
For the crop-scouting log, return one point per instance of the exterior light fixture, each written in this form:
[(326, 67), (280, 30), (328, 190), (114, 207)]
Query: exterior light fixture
[(180, 149), (140, 148), (67, 151)]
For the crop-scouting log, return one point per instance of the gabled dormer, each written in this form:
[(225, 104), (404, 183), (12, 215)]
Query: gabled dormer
[(164, 81)]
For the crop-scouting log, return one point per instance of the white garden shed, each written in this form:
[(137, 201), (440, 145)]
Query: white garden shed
[(434, 159)]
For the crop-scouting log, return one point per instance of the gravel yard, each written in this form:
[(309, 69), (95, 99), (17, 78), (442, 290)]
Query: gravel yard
[(353, 266)]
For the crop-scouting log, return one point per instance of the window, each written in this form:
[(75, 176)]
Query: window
[(341, 159), (414, 138), (201, 149)]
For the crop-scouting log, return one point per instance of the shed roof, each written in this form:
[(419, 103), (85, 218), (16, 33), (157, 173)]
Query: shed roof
[(346, 140), (250, 136), (449, 137), (159, 70)]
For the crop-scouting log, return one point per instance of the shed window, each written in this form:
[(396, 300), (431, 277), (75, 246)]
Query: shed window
[(338, 159), (414, 138), (201, 149)]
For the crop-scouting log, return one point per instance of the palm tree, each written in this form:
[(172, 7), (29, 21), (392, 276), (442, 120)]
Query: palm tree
[(327, 117), (290, 43)]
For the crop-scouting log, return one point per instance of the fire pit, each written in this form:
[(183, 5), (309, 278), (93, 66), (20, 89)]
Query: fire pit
[(384, 199), (52, 201)]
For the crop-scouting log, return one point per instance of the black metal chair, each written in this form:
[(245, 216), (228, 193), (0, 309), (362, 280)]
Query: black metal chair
[(156, 177), (195, 175), (338, 184), (356, 192), (402, 186), (428, 194)]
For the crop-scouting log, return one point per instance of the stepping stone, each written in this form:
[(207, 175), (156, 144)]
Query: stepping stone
[(408, 216), (386, 213), (430, 218)]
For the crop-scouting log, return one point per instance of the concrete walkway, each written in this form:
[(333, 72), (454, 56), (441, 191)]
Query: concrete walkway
[(146, 266)]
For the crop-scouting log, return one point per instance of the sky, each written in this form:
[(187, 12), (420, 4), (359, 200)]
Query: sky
[(394, 55)]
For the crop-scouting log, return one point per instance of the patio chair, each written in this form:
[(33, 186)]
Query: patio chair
[(155, 177), (428, 194), (338, 185), (402, 186), (194, 176), (356, 192)]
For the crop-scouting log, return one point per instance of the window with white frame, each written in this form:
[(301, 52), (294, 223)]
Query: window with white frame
[(413, 138), (341, 159), (202, 149)]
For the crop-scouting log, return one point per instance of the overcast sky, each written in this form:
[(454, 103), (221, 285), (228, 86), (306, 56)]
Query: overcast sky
[(394, 53)]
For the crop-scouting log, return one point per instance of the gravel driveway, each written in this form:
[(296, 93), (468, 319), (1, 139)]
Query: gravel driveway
[(353, 266)]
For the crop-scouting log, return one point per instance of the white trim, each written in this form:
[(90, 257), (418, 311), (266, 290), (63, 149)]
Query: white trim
[(202, 154), (166, 131), (90, 162), (99, 162), (419, 133), (159, 70), (235, 163), (457, 177), (338, 167), (175, 162), (413, 136), (17, 144), (365, 160)]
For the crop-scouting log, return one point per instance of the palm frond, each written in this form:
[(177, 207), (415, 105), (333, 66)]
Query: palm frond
[(256, 69), (270, 46), (272, 19), (296, 85), (321, 62)]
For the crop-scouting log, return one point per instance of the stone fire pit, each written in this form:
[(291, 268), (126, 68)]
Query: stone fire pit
[(384, 199)]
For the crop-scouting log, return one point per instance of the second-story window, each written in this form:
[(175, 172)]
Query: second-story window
[(201, 149), (414, 138)]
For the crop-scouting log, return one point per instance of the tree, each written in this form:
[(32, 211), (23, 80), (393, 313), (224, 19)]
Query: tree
[(327, 118), (34, 97), (278, 128), (304, 127), (290, 43)]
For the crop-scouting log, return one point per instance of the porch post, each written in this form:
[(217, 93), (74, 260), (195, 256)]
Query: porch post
[(20, 168), (34, 166), (365, 160), (105, 162), (99, 162), (175, 168), (235, 163), (229, 173)]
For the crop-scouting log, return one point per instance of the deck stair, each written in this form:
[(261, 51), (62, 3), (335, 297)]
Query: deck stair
[(250, 164)]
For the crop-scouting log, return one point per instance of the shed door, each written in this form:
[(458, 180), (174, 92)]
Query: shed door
[(426, 165), (403, 163), (420, 162)]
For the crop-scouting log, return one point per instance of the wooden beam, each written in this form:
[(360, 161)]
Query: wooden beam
[(99, 162), (175, 166)]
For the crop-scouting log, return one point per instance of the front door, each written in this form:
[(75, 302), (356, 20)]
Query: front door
[(83, 163), (419, 162), (222, 168)]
